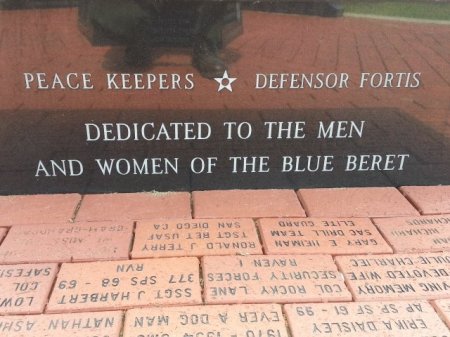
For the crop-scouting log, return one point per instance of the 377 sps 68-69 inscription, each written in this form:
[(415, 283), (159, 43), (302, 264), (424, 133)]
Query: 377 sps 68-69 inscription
[(124, 284)]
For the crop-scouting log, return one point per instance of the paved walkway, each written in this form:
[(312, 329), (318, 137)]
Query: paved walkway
[(272, 263), (302, 44)]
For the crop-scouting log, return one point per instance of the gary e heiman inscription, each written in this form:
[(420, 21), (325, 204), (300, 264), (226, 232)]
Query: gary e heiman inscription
[(202, 131)]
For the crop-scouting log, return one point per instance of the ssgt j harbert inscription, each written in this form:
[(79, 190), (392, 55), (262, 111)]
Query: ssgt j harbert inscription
[(160, 133), (125, 284)]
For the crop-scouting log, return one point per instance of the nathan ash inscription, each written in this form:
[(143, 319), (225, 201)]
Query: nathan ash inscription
[(105, 324)]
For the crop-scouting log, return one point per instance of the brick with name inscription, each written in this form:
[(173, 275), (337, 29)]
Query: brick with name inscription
[(24, 288), (397, 276), (3, 232), (268, 279), (335, 236), (256, 320), (416, 234), (195, 238), (67, 242), (381, 319), (89, 324), (443, 309), (125, 284)]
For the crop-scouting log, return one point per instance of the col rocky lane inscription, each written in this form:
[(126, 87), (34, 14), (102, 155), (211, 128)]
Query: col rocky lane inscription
[(272, 278)]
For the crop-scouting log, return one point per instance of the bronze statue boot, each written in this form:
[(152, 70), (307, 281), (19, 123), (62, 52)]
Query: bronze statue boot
[(207, 61)]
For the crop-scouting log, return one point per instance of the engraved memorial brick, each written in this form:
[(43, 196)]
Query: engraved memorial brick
[(443, 309), (246, 204), (24, 288), (135, 206), (89, 324), (408, 319), (397, 276), (429, 199), (268, 279), (125, 284), (355, 202), (416, 234), (67, 242), (335, 236), (213, 321), (195, 238), (35, 209)]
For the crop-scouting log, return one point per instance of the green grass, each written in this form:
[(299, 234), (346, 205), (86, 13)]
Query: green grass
[(430, 10)]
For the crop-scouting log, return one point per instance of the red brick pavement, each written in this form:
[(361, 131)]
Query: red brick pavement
[(51, 39), (374, 286)]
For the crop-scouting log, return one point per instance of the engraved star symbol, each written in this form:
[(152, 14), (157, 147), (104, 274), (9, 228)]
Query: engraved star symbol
[(225, 82)]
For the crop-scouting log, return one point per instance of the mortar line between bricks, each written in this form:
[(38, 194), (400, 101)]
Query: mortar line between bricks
[(122, 323), (201, 280), (286, 320), (342, 273), (8, 229), (302, 203), (133, 237), (77, 208), (259, 235), (52, 288), (411, 201), (383, 236), (437, 311), (191, 204)]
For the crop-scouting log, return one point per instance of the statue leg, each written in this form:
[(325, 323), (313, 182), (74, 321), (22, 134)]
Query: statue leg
[(206, 37), (127, 22)]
